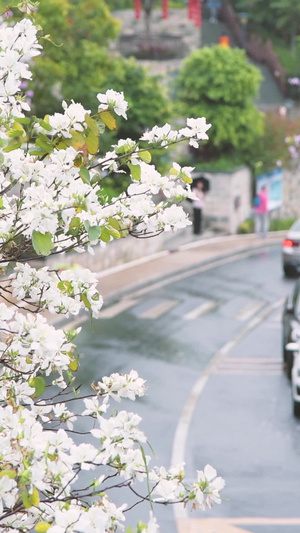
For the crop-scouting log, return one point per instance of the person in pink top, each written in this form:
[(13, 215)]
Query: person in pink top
[(262, 213)]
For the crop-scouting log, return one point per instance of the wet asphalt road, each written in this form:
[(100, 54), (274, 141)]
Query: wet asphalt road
[(242, 421)]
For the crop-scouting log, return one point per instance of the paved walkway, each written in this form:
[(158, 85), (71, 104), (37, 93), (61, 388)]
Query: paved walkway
[(185, 255), (179, 24), (123, 278)]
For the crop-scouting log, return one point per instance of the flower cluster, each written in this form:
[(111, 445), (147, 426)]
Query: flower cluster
[(294, 81), (66, 292), (18, 44), (52, 201), (293, 144)]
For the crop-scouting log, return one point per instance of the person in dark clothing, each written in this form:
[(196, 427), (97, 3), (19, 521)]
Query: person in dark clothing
[(198, 203)]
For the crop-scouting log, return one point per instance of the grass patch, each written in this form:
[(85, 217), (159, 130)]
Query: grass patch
[(276, 224)]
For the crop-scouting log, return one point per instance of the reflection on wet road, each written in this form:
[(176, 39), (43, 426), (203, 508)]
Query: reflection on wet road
[(242, 423)]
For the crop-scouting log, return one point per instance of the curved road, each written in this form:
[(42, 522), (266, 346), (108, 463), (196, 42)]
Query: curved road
[(208, 341)]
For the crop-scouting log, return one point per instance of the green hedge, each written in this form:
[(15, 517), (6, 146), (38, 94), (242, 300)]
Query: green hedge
[(283, 224)]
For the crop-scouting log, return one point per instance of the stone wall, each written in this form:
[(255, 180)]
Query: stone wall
[(229, 200), (291, 194), (121, 251), (227, 205)]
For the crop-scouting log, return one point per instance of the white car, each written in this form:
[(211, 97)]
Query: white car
[(291, 250), (295, 378)]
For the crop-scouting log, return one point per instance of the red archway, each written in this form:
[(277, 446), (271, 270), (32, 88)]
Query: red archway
[(194, 10)]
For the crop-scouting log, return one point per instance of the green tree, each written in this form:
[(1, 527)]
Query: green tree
[(82, 66), (147, 98), (272, 149), (76, 56), (283, 15), (287, 18), (220, 84)]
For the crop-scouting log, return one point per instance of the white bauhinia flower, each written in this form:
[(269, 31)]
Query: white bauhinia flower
[(196, 130), (122, 386), (208, 488), (113, 100), (152, 526), (162, 136), (57, 200), (8, 492)]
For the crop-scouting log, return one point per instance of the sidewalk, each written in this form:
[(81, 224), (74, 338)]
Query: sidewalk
[(116, 281)]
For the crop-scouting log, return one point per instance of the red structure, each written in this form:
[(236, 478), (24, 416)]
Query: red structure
[(137, 9), (198, 14), (192, 6), (194, 10), (165, 9)]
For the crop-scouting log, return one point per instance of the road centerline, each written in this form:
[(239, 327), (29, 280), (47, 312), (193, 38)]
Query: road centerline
[(182, 429)]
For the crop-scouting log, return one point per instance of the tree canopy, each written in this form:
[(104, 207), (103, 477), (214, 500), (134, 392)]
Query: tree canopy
[(281, 15), (220, 83), (76, 65)]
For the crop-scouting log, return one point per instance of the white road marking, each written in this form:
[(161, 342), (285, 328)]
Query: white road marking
[(214, 263), (277, 318), (201, 310), (159, 309), (252, 359), (183, 426), (231, 525), (249, 310), (116, 309), (75, 323), (249, 371)]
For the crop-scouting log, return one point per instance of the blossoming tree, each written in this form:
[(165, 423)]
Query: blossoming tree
[(51, 202)]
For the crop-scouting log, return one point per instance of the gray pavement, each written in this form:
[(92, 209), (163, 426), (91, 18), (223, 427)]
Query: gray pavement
[(183, 256), (241, 421)]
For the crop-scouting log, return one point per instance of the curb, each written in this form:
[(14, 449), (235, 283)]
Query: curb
[(248, 243), (251, 243)]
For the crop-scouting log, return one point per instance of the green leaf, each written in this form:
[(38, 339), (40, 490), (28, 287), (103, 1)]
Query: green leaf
[(22, 120), (42, 242), (84, 299), (135, 171), (85, 175), (93, 231), (16, 131), (42, 527), (77, 140), (65, 286), (35, 497), (48, 148), (113, 232), (26, 499), (38, 152), (92, 143), (108, 119), (73, 365), (9, 473), (114, 223), (92, 124), (75, 223), (145, 156), (105, 235), (45, 125), (12, 147), (186, 178), (37, 383)]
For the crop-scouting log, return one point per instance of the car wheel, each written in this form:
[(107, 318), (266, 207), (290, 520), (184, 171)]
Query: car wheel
[(296, 409), (288, 270), (289, 361)]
